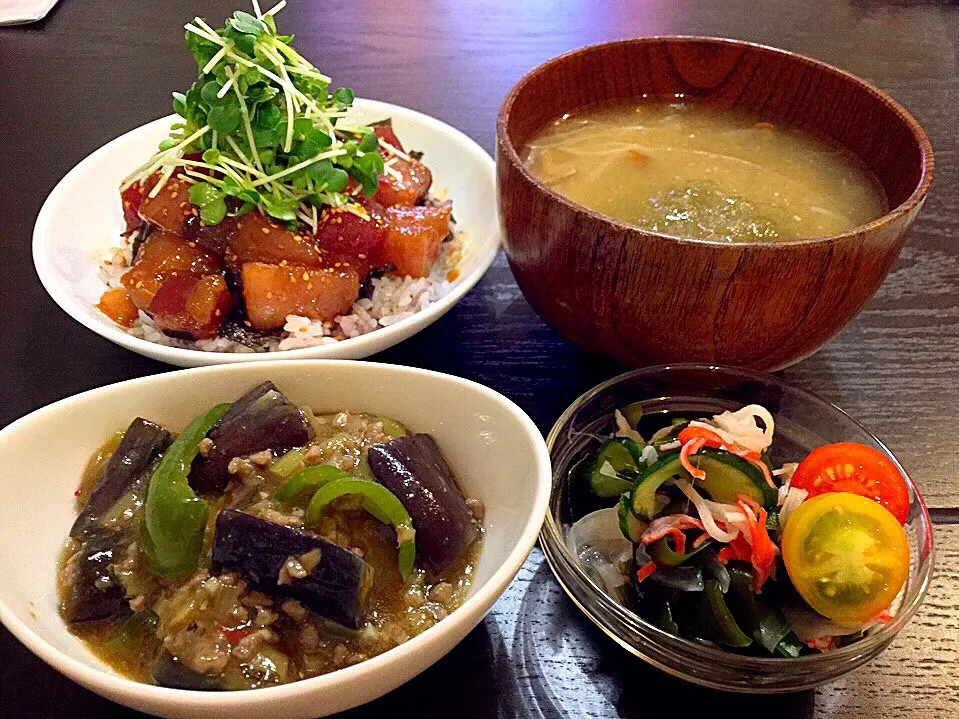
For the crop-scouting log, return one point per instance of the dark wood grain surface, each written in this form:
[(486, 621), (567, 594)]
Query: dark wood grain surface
[(95, 69)]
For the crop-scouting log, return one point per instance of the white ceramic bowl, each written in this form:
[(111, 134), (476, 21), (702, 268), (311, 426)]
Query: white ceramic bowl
[(81, 220), (496, 451)]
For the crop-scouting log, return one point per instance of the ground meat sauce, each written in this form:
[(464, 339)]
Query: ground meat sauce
[(214, 631)]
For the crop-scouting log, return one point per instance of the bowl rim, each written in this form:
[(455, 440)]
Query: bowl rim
[(460, 621), (552, 537), (361, 346), (910, 204)]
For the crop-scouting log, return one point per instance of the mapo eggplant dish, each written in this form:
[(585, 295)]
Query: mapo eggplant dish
[(264, 544)]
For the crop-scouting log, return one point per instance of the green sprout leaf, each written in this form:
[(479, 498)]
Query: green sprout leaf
[(224, 118), (343, 96), (210, 202), (209, 93), (326, 177), (369, 142), (263, 140), (246, 23), (282, 208), (179, 104)]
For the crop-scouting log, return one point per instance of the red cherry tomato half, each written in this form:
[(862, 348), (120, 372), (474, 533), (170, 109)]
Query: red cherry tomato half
[(857, 469)]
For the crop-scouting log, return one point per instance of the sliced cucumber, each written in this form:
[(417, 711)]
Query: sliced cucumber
[(729, 476), (642, 500), (634, 448), (631, 527), (613, 457)]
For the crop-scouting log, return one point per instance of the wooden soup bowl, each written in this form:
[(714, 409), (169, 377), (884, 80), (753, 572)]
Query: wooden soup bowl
[(641, 297)]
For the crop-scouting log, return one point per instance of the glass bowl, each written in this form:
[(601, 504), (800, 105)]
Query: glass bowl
[(803, 422)]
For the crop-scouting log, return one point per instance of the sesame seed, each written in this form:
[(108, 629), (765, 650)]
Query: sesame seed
[(306, 276), (269, 294), (174, 194), (266, 230)]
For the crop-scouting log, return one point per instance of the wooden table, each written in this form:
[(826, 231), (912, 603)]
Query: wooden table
[(95, 69)]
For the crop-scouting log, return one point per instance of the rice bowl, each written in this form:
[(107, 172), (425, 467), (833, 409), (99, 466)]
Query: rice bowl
[(68, 255)]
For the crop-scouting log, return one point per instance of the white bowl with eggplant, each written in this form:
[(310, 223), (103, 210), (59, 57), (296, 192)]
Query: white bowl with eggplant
[(302, 536)]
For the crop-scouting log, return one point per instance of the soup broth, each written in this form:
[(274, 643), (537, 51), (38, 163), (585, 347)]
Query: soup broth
[(692, 170)]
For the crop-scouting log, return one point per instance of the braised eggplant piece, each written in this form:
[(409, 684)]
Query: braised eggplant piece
[(414, 469), (277, 560), (126, 472), (91, 590), (261, 419), (167, 671)]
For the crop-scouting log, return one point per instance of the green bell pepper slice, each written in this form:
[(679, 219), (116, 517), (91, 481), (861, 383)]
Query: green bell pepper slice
[(309, 480), (174, 518), (378, 501), (393, 428), (133, 632)]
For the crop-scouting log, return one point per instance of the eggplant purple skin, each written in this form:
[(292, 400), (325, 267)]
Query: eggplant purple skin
[(256, 549), (167, 671), (129, 469), (261, 419), (95, 593), (413, 468)]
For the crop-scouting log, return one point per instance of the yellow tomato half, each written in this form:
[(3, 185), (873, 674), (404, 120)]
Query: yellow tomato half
[(847, 556)]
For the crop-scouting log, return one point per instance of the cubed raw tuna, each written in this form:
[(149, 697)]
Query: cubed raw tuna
[(170, 208), (258, 239), (272, 292), (404, 183), (195, 307), (346, 234), (164, 255), (413, 238)]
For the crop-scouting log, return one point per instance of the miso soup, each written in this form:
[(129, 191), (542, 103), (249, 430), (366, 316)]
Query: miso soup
[(692, 170)]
